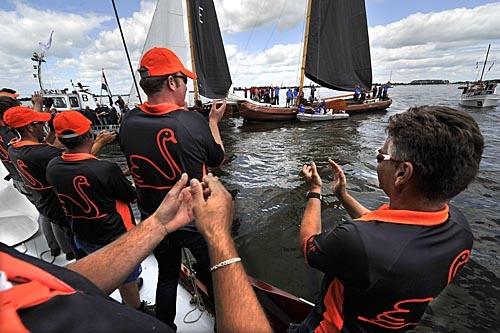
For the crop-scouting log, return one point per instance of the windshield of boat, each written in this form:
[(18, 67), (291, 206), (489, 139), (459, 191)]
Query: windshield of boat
[(73, 101), (59, 102)]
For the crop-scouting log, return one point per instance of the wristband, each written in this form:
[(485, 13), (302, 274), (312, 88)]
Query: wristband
[(224, 263), (314, 195)]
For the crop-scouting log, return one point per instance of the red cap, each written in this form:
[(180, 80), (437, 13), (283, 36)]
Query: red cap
[(19, 116), (160, 61), (9, 93), (70, 124)]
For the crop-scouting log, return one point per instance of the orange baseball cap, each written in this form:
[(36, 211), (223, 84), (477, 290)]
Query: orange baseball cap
[(160, 61), (9, 93), (70, 124), (19, 116)]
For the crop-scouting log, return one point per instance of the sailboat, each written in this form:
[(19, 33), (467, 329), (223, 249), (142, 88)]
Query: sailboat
[(336, 55), (204, 42), (481, 93)]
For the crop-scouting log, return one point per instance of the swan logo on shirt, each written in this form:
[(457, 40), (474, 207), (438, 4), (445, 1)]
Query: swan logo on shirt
[(88, 208), (148, 174), (29, 180)]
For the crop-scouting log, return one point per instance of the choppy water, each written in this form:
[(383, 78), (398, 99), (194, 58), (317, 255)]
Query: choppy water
[(263, 172)]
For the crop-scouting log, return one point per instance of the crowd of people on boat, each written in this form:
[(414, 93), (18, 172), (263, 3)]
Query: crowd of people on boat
[(375, 274), (377, 92)]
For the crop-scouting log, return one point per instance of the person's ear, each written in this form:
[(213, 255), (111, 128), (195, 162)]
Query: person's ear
[(404, 173)]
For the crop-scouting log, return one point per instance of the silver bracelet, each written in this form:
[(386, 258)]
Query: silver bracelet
[(225, 263)]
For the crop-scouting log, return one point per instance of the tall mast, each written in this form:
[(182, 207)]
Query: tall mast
[(485, 61), (191, 47), (304, 51)]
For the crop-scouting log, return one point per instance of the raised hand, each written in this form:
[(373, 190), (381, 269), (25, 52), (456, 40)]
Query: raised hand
[(310, 174), (175, 210), (217, 113), (339, 180), (37, 101), (105, 137), (214, 214)]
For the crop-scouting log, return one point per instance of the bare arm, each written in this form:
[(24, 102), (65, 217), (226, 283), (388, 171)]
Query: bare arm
[(110, 266), (101, 140), (353, 207), (311, 220), (213, 121), (236, 312)]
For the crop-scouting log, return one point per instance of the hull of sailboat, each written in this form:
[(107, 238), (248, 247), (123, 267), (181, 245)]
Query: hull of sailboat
[(369, 106), (253, 112), (306, 117), (480, 101)]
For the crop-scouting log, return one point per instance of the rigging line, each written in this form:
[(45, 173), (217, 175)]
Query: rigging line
[(272, 32), (248, 40), (126, 51)]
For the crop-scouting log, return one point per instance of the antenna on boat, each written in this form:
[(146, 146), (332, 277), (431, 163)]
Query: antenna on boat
[(38, 58), (191, 49), (304, 51), (126, 51), (485, 61)]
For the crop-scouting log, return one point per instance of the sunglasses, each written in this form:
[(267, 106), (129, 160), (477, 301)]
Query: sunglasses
[(385, 157), (184, 78)]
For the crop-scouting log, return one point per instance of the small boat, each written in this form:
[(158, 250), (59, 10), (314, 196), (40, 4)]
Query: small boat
[(480, 94), (255, 112), (302, 116), (370, 105)]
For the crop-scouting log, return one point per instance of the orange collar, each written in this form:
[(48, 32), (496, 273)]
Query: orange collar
[(75, 157), (427, 219), (158, 109), (22, 143)]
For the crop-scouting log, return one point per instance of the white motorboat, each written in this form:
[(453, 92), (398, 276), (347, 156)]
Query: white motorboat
[(321, 117), (480, 94)]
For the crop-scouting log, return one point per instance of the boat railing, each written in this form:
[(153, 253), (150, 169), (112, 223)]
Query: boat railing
[(99, 128)]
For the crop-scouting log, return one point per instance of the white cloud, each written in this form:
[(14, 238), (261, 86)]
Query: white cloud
[(242, 15), (444, 45)]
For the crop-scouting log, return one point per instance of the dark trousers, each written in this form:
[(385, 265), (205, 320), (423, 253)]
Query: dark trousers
[(169, 254)]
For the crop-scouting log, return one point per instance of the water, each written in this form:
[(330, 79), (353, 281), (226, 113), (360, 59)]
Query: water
[(263, 173)]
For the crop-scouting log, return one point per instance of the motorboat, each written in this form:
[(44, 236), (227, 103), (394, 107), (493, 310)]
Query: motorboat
[(302, 116)]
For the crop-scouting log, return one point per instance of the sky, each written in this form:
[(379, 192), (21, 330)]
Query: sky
[(409, 40)]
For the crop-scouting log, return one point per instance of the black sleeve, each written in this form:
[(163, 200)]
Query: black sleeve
[(120, 185), (199, 129), (330, 251), (50, 152)]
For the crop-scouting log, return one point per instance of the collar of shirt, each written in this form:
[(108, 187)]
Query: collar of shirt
[(428, 219), (158, 109), (75, 157)]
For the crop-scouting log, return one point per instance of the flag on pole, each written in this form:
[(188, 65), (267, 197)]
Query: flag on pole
[(46, 46), (105, 86)]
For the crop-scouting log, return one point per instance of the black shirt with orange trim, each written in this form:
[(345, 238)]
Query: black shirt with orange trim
[(160, 143), (383, 269), (6, 136), (95, 196), (31, 160), (49, 298)]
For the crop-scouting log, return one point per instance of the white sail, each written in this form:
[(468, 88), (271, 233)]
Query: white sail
[(166, 30)]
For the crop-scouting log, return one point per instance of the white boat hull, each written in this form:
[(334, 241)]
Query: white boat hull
[(480, 101), (321, 117)]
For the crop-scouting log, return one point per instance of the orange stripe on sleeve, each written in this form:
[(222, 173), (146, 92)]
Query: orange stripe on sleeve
[(126, 214)]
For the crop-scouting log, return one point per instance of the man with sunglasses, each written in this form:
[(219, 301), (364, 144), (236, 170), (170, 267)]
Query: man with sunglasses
[(383, 267), (161, 140), (30, 154)]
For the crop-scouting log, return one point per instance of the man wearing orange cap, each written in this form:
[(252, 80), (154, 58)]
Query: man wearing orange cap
[(30, 155), (161, 140), (94, 194)]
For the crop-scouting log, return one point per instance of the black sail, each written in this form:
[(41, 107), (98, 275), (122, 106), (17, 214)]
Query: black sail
[(210, 60), (338, 49)]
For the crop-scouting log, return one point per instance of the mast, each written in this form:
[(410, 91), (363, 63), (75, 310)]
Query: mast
[(304, 51), (485, 61), (191, 48), (39, 59), (126, 51)]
